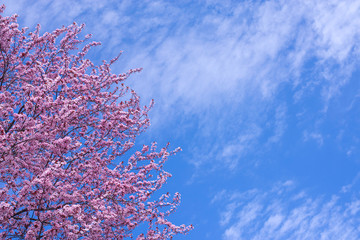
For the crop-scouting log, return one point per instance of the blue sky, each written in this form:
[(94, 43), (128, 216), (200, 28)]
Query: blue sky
[(262, 96)]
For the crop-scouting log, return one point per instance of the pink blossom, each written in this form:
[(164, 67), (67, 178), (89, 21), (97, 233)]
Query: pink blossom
[(65, 126)]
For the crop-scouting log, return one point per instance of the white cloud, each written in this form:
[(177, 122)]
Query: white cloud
[(280, 124), (204, 58), (337, 24), (317, 137), (231, 153), (285, 213)]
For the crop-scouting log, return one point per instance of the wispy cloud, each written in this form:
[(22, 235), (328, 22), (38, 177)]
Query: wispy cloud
[(231, 50), (284, 212), (317, 137), (220, 61), (280, 124)]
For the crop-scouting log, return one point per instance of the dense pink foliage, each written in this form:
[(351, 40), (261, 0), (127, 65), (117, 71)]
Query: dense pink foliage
[(64, 123)]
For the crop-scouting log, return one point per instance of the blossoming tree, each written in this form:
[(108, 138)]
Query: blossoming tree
[(65, 126)]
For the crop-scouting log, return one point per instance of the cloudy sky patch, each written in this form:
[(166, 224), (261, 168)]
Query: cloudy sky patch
[(255, 93)]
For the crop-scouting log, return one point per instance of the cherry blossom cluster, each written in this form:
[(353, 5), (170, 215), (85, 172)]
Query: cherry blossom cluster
[(66, 128)]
